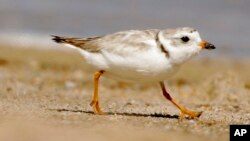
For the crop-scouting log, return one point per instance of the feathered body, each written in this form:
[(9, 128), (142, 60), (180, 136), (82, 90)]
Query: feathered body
[(137, 55)]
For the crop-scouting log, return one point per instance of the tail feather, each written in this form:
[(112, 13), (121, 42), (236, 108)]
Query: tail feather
[(58, 39), (76, 42)]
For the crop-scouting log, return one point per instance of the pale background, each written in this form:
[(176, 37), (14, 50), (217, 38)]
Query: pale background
[(222, 22)]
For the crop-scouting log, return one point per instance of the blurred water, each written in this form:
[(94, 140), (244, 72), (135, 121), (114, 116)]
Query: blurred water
[(222, 22)]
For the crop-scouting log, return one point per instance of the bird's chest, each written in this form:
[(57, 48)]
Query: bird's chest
[(144, 67)]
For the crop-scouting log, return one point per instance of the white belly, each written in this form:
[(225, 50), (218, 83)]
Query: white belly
[(151, 66), (142, 77)]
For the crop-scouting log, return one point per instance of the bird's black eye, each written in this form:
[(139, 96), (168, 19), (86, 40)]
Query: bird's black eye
[(185, 39)]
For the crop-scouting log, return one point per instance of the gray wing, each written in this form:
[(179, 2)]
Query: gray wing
[(123, 41)]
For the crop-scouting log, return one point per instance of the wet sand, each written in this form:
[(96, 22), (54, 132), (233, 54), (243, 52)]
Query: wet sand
[(45, 95)]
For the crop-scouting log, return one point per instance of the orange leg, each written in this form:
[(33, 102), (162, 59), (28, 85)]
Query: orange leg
[(95, 103), (183, 110)]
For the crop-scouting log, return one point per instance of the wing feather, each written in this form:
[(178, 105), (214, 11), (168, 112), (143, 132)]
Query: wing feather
[(119, 42)]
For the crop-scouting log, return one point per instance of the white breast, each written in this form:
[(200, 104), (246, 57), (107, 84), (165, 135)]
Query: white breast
[(146, 66)]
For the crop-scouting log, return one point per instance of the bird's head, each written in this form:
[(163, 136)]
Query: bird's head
[(183, 43)]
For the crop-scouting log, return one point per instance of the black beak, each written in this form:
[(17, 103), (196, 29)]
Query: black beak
[(207, 45)]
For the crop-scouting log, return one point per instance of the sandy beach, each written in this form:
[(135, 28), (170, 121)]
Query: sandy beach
[(45, 95)]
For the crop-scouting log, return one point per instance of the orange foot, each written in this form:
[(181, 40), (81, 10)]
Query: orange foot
[(96, 107), (189, 114)]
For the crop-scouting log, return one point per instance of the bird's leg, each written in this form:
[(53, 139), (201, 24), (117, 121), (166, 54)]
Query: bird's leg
[(183, 110), (95, 103)]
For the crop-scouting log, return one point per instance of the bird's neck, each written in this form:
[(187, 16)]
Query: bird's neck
[(178, 57)]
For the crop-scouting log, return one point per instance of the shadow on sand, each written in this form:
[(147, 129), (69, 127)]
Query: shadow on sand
[(157, 115)]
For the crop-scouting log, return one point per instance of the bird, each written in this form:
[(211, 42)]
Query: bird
[(139, 56)]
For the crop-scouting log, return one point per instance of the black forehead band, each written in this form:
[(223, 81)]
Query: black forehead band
[(193, 30)]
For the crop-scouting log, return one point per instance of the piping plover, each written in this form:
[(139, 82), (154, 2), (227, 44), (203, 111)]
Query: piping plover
[(139, 56)]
